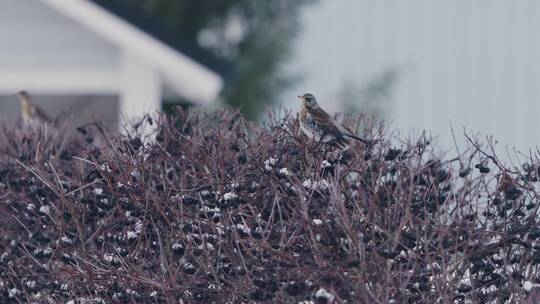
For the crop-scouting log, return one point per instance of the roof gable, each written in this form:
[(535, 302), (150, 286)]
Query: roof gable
[(181, 72), (157, 29)]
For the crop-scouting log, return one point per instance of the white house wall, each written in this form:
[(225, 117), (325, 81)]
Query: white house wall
[(61, 80), (142, 88), (474, 63), (33, 35)]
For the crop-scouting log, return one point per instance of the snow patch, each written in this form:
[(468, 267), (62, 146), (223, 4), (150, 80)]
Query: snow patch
[(317, 222), (269, 164), (322, 293), (230, 196), (45, 210)]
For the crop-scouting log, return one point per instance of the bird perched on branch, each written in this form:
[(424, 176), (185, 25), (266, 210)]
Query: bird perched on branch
[(32, 115), (319, 126)]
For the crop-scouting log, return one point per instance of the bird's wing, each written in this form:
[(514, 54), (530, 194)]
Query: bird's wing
[(41, 114), (324, 120)]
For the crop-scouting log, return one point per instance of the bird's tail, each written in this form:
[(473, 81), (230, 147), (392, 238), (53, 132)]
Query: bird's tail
[(342, 143), (349, 134)]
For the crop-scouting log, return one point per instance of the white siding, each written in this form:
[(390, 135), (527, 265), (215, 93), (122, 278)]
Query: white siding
[(474, 63), (141, 92), (34, 35)]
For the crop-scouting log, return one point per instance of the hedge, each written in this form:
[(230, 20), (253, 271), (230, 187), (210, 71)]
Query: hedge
[(215, 209)]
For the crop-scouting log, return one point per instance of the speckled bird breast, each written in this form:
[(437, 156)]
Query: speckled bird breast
[(311, 128)]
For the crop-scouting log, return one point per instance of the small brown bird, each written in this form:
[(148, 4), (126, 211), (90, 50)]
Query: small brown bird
[(505, 182), (319, 126), (32, 115)]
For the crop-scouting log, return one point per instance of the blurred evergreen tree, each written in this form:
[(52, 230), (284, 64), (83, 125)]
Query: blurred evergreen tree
[(252, 35)]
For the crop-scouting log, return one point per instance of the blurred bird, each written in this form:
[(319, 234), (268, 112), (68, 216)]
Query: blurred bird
[(32, 115), (319, 126), (505, 182)]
